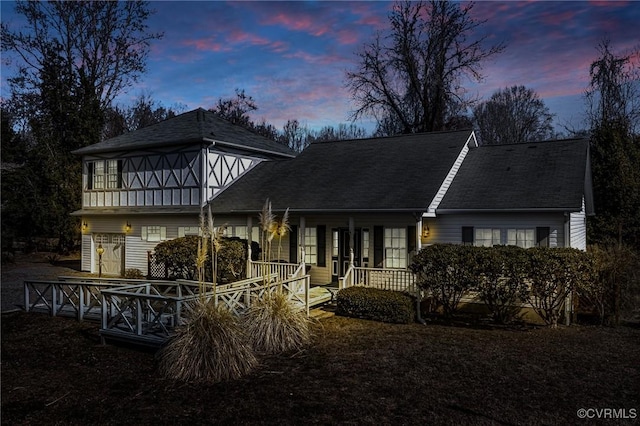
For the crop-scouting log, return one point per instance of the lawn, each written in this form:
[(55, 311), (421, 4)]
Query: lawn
[(54, 371)]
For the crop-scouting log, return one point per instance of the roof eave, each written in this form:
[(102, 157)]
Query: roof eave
[(88, 150), (512, 210)]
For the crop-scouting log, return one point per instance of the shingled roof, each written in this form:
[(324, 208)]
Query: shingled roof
[(547, 175), (197, 126), (401, 173)]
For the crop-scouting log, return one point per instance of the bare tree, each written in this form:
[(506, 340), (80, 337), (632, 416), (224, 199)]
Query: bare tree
[(513, 115), (102, 45), (613, 93), (614, 111), (236, 109), (409, 79), (295, 135)]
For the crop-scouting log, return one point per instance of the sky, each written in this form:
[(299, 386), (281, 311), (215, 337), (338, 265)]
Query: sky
[(291, 57)]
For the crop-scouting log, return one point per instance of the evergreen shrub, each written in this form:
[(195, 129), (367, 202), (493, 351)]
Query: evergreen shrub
[(375, 304)]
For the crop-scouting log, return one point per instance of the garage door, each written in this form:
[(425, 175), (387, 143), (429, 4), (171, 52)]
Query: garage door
[(113, 256)]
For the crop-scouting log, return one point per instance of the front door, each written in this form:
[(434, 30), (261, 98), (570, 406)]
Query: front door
[(341, 251), (113, 255)]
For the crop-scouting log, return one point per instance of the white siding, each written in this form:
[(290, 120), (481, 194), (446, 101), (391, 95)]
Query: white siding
[(578, 229), (448, 228)]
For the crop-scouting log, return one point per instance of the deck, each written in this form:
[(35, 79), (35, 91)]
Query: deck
[(147, 312)]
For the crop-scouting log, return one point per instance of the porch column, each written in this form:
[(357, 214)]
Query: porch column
[(249, 241), (352, 232)]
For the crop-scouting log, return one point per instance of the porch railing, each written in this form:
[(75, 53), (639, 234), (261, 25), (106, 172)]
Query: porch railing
[(385, 279), (284, 270)]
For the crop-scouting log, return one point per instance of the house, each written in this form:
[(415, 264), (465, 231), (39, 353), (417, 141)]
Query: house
[(371, 202), (147, 186)]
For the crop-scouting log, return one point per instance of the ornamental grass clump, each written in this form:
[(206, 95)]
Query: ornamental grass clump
[(211, 347), (274, 324)]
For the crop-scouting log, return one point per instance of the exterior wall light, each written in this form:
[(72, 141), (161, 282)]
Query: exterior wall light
[(425, 231), (127, 227), (85, 226), (100, 251)]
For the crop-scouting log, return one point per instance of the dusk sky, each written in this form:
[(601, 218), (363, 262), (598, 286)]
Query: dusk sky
[(292, 56)]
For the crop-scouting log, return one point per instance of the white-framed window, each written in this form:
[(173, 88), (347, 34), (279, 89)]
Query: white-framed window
[(310, 246), (395, 247), (113, 174), (365, 242), (98, 175), (525, 238), (183, 231), (487, 237), (335, 241), (104, 174), (236, 231), (154, 233)]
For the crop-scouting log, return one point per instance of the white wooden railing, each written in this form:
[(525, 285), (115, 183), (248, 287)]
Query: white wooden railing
[(284, 270), (148, 312), (385, 279)]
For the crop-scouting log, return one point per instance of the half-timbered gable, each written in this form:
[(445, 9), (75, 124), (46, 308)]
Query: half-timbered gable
[(149, 185)]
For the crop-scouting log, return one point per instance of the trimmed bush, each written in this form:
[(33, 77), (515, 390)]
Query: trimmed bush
[(553, 274), (180, 254), (274, 325), (211, 347), (502, 282), (376, 304), (133, 274), (447, 272)]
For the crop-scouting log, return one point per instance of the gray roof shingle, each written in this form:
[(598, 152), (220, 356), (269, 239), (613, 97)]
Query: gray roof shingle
[(542, 175), (195, 126), (401, 173)]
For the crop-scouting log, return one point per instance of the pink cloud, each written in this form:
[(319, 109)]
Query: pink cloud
[(298, 22), (206, 44)]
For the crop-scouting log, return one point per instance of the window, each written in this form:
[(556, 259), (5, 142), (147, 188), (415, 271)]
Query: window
[(521, 237), (310, 246), (487, 237), (365, 242), (104, 174), (154, 233), (236, 231), (395, 248), (98, 175), (335, 243), (188, 230)]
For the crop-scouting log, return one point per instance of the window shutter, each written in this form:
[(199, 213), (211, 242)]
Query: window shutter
[(467, 235), (378, 246), (293, 244), (321, 236), (144, 233), (120, 174), (542, 236), (163, 233), (90, 175), (411, 237)]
